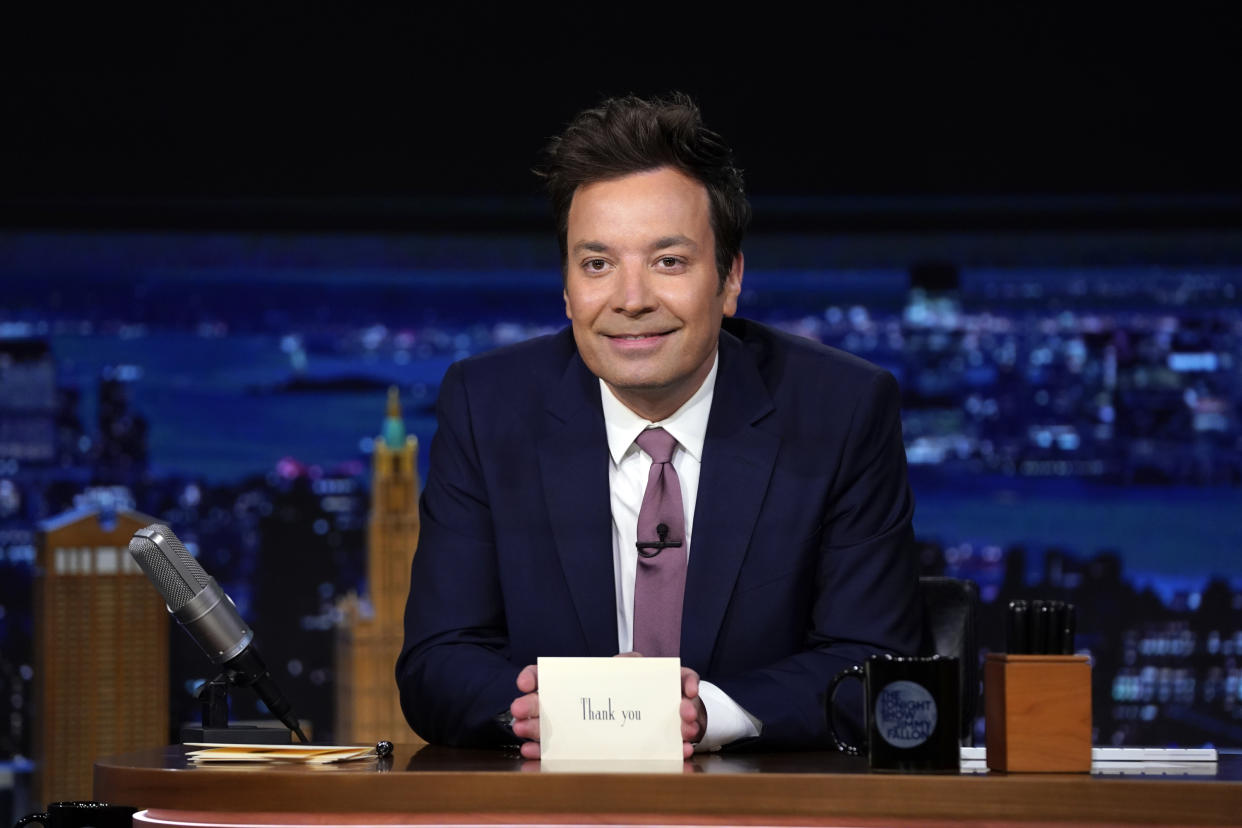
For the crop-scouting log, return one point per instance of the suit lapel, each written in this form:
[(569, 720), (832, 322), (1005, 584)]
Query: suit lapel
[(573, 464), (737, 465)]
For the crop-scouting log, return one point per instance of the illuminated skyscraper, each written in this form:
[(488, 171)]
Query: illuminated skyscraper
[(101, 650), (370, 634)]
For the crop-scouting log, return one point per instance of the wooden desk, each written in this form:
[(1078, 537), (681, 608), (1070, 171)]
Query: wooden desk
[(425, 784)]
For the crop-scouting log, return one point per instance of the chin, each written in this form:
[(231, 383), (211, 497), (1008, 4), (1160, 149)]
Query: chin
[(636, 385)]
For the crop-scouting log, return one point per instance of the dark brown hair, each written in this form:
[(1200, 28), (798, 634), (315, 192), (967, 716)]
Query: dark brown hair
[(628, 135)]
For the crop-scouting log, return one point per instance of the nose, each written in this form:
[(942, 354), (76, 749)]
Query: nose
[(632, 290)]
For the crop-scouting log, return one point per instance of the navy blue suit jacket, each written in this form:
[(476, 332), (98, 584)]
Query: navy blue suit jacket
[(801, 563)]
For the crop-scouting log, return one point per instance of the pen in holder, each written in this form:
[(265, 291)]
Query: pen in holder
[(1037, 710)]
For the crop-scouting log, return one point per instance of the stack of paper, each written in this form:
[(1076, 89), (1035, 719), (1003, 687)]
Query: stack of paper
[(303, 754), (1135, 760)]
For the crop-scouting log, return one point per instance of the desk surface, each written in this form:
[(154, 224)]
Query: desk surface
[(802, 788)]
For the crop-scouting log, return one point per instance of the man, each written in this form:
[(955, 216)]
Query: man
[(780, 503)]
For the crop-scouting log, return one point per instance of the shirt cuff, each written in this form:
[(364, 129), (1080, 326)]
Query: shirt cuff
[(727, 721)]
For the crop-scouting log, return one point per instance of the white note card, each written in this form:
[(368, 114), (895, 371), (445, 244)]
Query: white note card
[(610, 708)]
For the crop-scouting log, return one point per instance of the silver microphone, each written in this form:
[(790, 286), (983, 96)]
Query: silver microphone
[(208, 615), (192, 596)]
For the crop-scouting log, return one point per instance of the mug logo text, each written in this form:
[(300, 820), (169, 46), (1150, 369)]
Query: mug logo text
[(905, 714)]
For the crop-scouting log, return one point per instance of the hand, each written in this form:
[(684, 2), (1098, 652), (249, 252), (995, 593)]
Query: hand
[(525, 711), (693, 713)]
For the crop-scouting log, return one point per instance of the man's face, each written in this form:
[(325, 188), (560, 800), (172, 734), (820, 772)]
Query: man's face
[(642, 289)]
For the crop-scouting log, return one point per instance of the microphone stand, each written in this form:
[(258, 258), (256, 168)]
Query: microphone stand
[(213, 699)]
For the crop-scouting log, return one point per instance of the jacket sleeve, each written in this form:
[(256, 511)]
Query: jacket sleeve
[(453, 673)]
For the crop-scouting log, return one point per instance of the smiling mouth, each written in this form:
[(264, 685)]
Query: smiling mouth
[(638, 337)]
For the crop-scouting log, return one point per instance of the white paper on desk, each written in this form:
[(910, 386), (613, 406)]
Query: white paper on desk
[(610, 708), (1154, 768)]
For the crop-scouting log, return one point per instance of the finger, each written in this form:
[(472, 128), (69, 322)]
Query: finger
[(530, 750), (687, 750), (526, 729), (630, 654), (525, 707), (689, 683), (689, 721), (693, 719), (528, 679)]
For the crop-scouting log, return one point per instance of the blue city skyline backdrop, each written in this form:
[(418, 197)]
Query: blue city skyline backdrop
[(218, 413), (1075, 406), (220, 393)]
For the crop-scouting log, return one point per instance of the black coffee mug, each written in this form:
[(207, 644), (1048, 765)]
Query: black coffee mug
[(81, 815), (913, 712)]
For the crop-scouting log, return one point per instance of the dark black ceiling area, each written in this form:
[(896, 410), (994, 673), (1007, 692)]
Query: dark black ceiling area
[(356, 113)]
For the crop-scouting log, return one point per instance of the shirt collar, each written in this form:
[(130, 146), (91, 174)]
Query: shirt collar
[(688, 424)]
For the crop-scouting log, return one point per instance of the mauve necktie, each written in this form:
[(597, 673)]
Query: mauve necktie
[(661, 578)]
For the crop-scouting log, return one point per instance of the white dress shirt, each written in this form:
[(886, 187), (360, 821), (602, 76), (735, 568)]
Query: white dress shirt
[(627, 481)]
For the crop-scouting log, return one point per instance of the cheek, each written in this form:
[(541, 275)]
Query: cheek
[(584, 303), (577, 306)]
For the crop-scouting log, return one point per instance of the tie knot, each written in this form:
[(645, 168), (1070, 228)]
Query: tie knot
[(658, 443)]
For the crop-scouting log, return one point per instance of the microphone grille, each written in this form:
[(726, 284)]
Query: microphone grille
[(177, 578)]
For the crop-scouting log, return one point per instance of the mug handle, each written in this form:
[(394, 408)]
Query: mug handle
[(40, 819), (851, 672)]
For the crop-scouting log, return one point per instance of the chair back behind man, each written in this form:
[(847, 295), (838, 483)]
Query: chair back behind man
[(949, 607)]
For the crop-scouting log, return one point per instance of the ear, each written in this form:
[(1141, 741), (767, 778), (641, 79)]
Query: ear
[(733, 285), (568, 314)]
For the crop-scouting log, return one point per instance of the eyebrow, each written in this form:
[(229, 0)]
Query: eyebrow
[(658, 244), (674, 241), (591, 247)]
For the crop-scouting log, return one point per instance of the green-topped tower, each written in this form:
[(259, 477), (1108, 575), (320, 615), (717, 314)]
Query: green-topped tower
[(369, 637)]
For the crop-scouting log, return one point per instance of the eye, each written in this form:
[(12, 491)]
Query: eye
[(669, 262), (594, 265)]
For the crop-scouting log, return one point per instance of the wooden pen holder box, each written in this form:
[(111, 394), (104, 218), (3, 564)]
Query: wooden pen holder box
[(1038, 713)]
